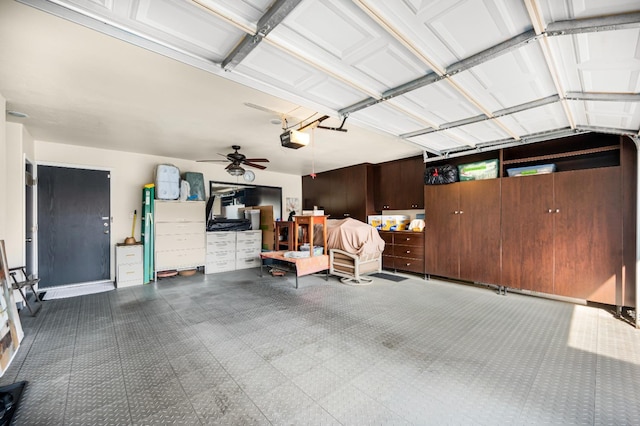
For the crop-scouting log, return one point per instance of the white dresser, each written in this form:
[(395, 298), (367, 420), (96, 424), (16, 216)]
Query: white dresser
[(129, 265), (231, 250), (179, 234)]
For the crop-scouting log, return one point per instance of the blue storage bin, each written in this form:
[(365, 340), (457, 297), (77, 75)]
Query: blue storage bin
[(539, 169)]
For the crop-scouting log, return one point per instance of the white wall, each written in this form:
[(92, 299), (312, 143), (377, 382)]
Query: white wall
[(3, 167), (130, 171), (20, 145)]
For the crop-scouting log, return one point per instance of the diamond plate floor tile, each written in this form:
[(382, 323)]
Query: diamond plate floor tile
[(351, 406), (116, 413), (236, 349), (283, 403), (181, 413), (85, 398)]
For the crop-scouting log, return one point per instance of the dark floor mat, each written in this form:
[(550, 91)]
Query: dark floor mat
[(389, 277)]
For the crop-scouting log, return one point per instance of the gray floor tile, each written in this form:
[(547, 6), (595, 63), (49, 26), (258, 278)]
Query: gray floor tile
[(235, 349)]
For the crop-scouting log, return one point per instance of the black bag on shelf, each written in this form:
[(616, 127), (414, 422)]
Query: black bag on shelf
[(439, 175), (228, 225)]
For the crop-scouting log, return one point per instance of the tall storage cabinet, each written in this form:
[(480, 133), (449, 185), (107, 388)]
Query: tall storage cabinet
[(345, 192), (463, 230), (562, 234), (179, 234)]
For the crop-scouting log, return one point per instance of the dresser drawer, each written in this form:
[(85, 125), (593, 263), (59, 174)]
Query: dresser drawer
[(252, 262), (175, 259), (129, 254), (221, 238), (408, 239), (179, 242), (165, 228), (387, 237), (409, 265), (221, 254), (179, 211), (415, 252), (219, 266), (249, 236), (128, 275)]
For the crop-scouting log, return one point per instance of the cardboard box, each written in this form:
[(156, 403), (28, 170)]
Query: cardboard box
[(477, 171), (395, 222), (312, 212), (375, 221)]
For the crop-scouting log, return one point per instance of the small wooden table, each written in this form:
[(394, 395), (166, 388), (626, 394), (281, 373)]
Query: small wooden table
[(301, 265), (309, 221)]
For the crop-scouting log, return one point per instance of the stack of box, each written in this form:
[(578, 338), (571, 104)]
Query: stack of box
[(396, 222)]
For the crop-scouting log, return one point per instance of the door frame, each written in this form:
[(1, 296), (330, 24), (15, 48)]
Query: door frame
[(81, 167), (31, 259)]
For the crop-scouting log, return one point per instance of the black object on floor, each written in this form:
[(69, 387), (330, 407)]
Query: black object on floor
[(389, 277), (9, 399)]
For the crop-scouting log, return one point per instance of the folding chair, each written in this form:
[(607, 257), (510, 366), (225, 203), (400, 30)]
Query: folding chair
[(28, 281)]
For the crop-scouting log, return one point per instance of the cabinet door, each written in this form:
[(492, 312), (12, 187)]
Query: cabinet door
[(479, 236), (442, 230), (354, 183), (389, 186), (527, 233), (412, 183), (588, 237)]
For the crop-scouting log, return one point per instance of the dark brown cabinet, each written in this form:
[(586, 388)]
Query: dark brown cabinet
[(399, 185), (527, 233), (463, 230), (346, 192), (403, 251), (562, 234)]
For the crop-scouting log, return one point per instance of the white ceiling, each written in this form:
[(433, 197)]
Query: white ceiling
[(446, 77)]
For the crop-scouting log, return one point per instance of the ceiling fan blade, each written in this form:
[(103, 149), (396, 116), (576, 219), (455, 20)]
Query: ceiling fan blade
[(257, 160), (211, 161), (229, 166), (257, 166)]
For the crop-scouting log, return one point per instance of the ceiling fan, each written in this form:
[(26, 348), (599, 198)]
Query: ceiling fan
[(237, 160)]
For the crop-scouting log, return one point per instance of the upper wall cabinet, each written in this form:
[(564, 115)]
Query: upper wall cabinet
[(346, 192), (399, 185)]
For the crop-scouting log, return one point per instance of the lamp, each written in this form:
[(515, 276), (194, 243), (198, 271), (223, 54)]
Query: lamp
[(235, 170)]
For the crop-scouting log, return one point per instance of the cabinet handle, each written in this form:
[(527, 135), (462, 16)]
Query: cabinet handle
[(557, 210), (550, 211), (461, 212), (456, 212), (408, 251)]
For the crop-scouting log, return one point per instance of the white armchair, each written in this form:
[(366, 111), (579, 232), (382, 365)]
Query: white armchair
[(351, 267)]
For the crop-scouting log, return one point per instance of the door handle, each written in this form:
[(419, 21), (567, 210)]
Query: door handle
[(106, 231), (29, 240)]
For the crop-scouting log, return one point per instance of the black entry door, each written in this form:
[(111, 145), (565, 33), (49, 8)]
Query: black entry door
[(73, 226)]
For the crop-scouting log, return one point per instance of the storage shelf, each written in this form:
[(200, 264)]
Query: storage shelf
[(562, 155)]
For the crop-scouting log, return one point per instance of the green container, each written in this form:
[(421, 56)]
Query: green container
[(487, 169), (146, 233)]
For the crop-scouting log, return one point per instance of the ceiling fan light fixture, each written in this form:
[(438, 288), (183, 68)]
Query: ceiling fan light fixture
[(235, 170)]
